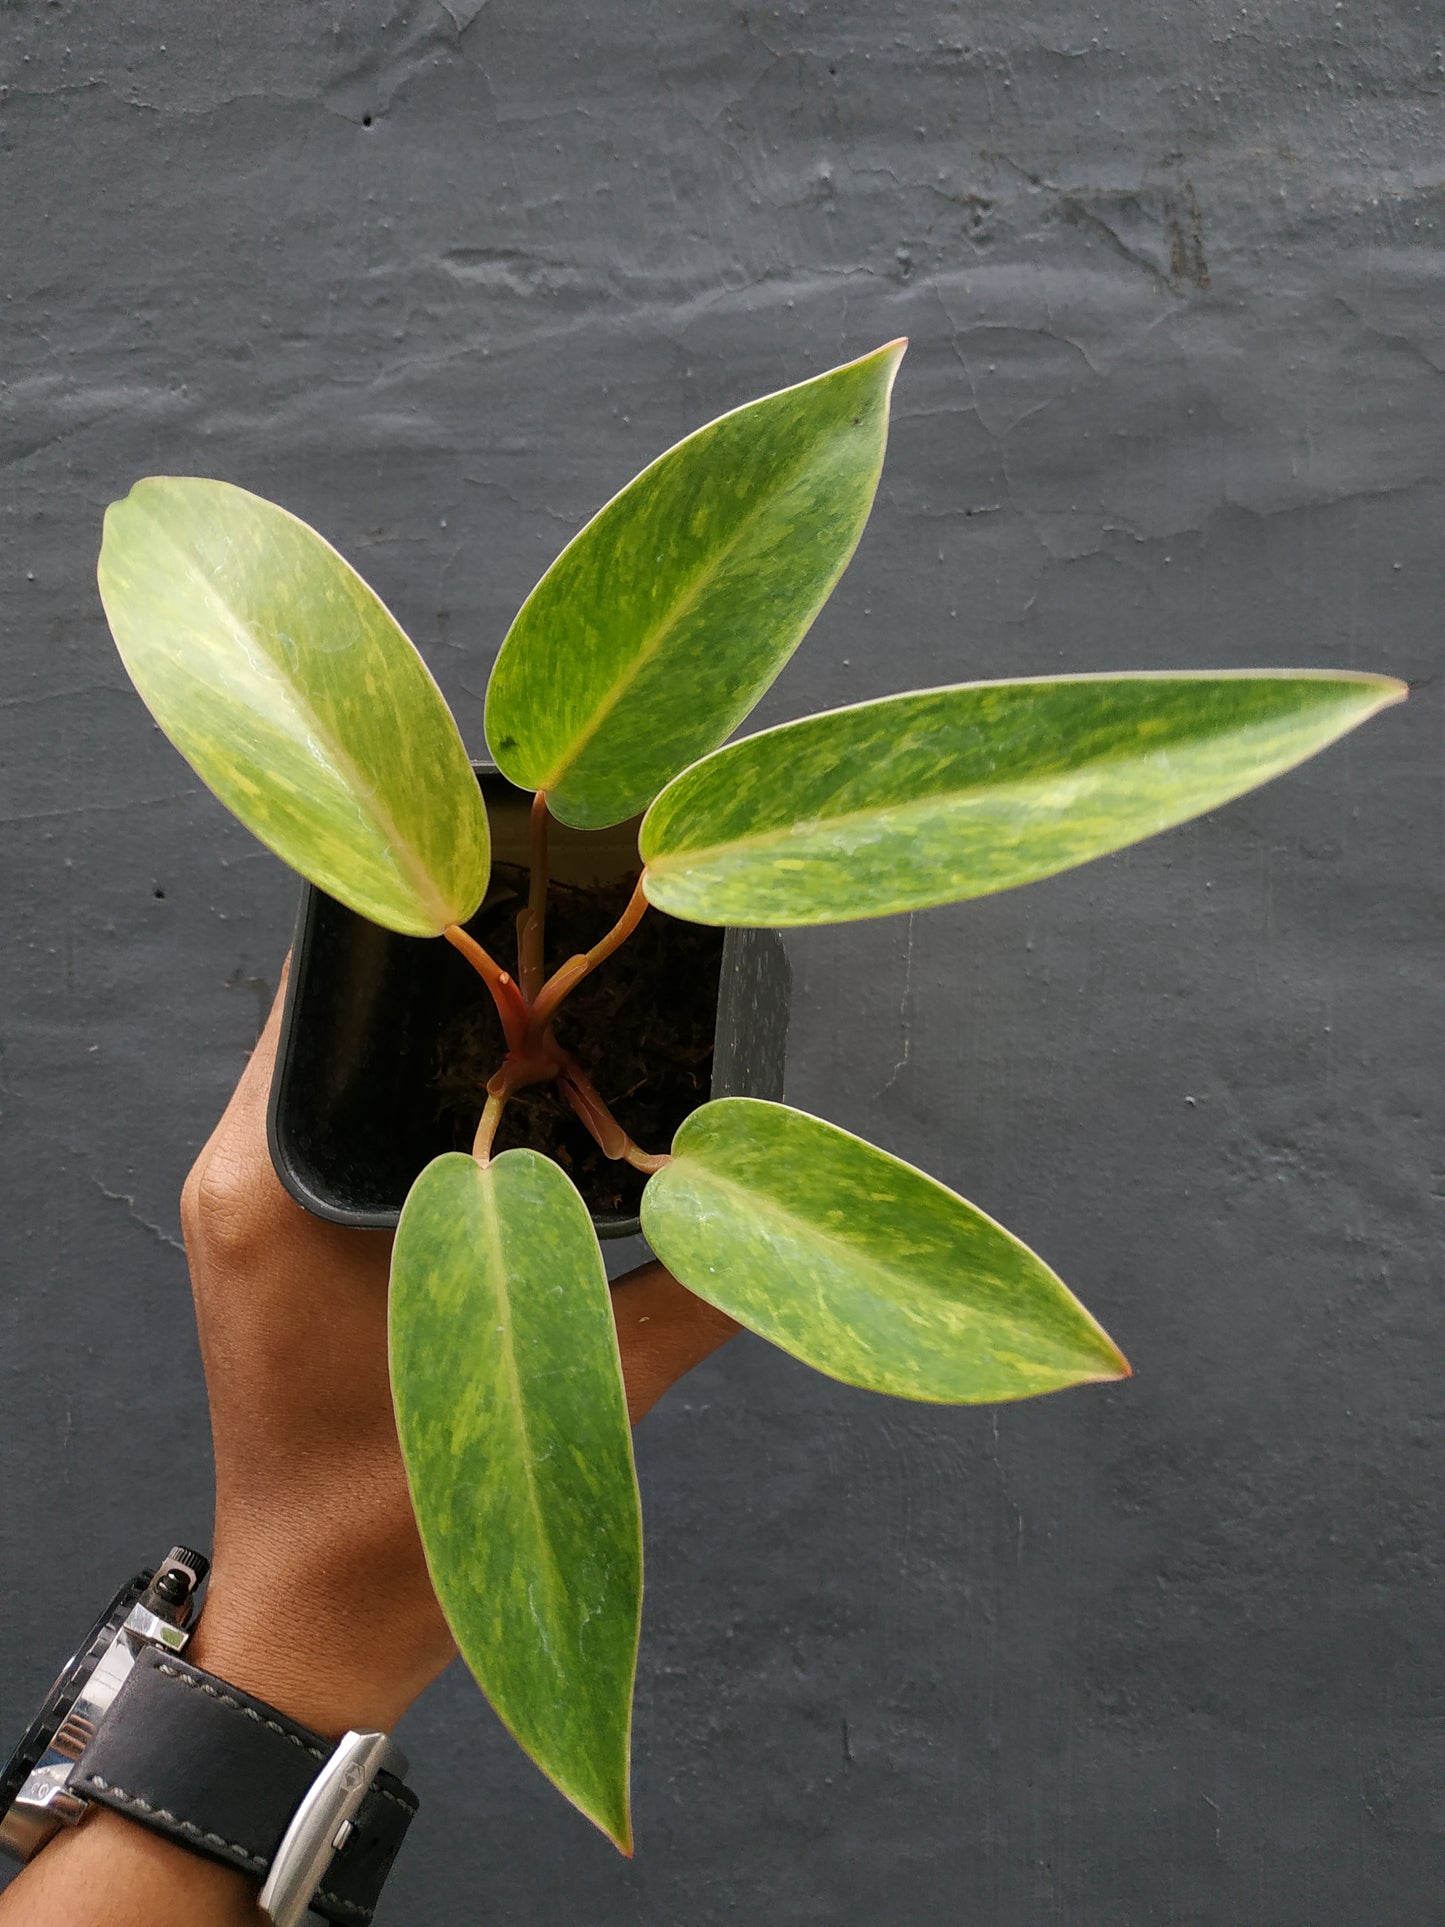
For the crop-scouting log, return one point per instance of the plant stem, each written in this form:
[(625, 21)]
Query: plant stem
[(532, 922), (648, 1161), (560, 985), (525, 944), (511, 1005), (582, 1095), (622, 929), (527, 1009), (487, 1129)]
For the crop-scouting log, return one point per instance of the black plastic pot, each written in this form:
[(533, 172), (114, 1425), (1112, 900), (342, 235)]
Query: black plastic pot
[(354, 1112)]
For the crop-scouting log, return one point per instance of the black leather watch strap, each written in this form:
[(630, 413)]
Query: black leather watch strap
[(201, 1762)]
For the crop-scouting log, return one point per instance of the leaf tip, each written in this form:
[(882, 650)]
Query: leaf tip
[(1116, 1366), (1392, 690), (110, 520), (891, 355), (613, 1821), (1372, 691)]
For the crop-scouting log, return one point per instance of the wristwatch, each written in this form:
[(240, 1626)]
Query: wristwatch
[(130, 1725)]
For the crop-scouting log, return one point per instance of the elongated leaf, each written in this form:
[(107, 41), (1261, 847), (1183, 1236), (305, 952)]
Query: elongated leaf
[(513, 1425), (947, 793), (660, 625), (861, 1265), (292, 693)]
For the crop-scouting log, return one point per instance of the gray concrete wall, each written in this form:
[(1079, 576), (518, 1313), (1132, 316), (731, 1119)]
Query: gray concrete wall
[(440, 277)]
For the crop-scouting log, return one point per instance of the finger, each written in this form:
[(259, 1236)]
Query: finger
[(234, 1208), (253, 1089), (235, 1156), (663, 1330)]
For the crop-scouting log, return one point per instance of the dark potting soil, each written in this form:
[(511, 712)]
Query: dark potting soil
[(641, 1026)]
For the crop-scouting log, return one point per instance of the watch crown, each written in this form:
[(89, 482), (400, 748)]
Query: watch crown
[(181, 1571)]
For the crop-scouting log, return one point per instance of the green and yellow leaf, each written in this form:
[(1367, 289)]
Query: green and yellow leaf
[(861, 1265), (513, 1426), (293, 694), (661, 624), (942, 794)]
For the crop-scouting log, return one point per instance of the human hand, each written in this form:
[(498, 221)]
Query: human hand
[(319, 1600)]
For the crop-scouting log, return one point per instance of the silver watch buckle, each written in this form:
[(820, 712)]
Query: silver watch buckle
[(322, 1824)]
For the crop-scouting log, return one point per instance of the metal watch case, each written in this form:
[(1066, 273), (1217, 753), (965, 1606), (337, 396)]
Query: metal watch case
[(156, 1608)]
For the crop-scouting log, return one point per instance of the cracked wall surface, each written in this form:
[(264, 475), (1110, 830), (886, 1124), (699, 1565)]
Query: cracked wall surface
[(440, 277)]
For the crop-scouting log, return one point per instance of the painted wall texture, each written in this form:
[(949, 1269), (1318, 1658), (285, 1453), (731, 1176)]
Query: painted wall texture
[(440, 277)]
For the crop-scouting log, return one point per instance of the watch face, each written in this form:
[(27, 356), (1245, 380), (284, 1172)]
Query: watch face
[(62, 1695)]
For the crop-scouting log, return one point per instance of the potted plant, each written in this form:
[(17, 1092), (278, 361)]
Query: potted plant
[(293, 693), (386, 1047)]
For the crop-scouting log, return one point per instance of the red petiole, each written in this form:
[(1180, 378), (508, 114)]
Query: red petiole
[(560, 985), (532, 922), (512, 1006), (578, 1090), (528, 1004)]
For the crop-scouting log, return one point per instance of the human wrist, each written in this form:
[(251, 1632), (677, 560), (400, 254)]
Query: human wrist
[(193, 1768), (314, 1640)]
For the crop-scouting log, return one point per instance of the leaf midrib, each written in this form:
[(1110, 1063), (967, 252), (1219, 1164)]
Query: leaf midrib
[(760, 1201), (903, 810), (551, 1571), (396, 843), (654, 640)]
